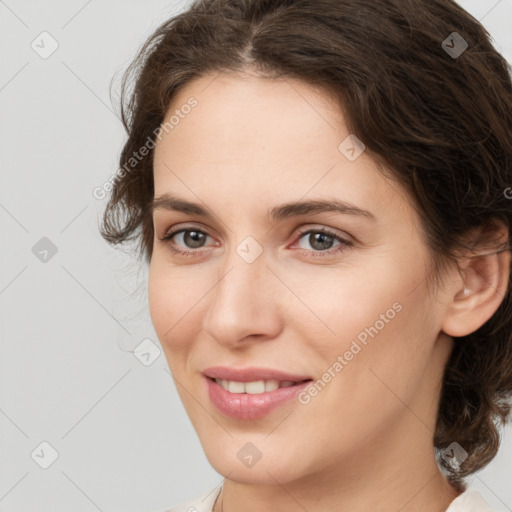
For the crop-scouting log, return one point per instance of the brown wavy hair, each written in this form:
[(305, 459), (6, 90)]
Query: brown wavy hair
[(440, 123)]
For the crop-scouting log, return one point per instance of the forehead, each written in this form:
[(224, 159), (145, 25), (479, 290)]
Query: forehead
[(260, 112), (256, 139)]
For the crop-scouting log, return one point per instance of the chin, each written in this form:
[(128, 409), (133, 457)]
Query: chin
[(268, 469)]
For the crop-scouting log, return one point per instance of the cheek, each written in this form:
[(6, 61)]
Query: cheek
[(378, 352), (378, 312), (167, 303), (336, 305), (174, 296), (158, 298), (385, 338)]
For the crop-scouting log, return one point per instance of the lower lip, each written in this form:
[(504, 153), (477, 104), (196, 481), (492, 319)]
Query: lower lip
[(246, 406)]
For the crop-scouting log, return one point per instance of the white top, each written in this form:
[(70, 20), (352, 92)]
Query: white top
[(469, 501)]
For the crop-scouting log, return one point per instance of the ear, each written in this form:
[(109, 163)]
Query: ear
[(483, 283)]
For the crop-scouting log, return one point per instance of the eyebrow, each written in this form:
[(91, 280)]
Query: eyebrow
[(171, 202)]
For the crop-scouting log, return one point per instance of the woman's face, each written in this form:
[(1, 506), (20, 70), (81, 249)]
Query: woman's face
[(336, 296)]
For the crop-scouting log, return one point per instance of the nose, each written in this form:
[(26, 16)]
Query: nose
[(244, 303)]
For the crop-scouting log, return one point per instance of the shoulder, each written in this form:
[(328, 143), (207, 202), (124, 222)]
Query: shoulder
[(203, 503), (469, 501)]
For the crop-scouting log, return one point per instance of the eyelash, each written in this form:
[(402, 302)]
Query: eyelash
[(166, 240)]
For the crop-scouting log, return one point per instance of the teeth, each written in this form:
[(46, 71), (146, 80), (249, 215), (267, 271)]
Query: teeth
[(253, 388), (236, 387)]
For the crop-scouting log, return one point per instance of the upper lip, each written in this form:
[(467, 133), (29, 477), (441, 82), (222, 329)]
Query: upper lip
[(251, 374)]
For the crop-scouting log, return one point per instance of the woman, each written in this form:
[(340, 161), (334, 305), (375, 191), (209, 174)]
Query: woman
[(319, 188)]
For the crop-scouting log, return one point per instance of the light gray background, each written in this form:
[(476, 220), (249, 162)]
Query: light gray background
[(69, 325)]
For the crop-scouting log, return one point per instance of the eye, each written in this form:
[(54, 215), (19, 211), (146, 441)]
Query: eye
[(191, 238), (322, 240)]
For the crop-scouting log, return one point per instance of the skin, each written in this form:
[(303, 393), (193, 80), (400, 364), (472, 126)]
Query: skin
[(365, 442)]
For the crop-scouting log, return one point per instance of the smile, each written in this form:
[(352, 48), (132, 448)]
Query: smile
[(255, 387), (254, 399)]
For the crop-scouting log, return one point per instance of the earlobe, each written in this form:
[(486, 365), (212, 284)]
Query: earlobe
[(479, 295)]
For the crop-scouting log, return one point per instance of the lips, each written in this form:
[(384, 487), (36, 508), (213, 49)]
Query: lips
[(244, 405)]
